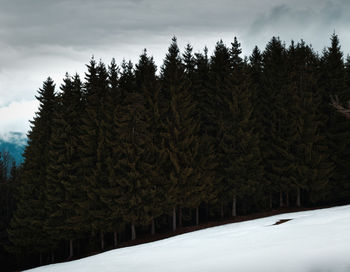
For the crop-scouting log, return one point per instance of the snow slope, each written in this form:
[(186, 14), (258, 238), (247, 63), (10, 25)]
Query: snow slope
[(313, 241)]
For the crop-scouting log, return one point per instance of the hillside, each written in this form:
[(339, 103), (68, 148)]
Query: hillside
[(317, 240)]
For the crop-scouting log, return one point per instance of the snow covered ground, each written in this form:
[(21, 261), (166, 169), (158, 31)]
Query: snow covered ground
[(313, 241)]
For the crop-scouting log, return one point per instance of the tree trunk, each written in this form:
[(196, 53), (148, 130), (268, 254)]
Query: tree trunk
[(298, 198), (234, 210), (71, 249), (78, 247), (153, 227), (206, 212), (174, 219), (270, 199), (122, 236), (115, 234), (197, 216), (222, 210), (180, 217), (133, 232), (52, 256), (281, 199), (287, 199), (40, 258), (102, 240)]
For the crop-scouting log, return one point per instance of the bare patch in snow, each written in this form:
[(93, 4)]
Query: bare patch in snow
[(281, 221)]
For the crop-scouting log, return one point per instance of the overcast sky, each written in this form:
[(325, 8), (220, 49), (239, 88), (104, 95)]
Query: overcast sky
[(41, 38)]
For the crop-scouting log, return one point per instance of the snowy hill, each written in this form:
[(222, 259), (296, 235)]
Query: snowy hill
[(312, 241)]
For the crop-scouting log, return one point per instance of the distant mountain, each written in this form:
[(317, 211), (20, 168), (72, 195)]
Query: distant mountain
[(13, 143)]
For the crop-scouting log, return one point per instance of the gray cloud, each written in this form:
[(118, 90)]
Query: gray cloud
[(85, 23), (313, 21), (82, 24)]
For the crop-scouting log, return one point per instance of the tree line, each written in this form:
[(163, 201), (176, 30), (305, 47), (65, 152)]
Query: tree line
[(131, 150)]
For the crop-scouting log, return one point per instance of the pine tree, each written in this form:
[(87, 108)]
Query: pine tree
[(239, 146), (347, 71), (334, 83), (111, 193), (132, 130), (180, 130), (312, 165), (4, 206), (149, 86), (201, 94), (26, 232), (127, 78), (260, 106), (189, 62), (196, 69), (64, 188), (204, 191), (255, 80), (113, 81), (92, 150), (8, 186), (221, 84), (97, 181), (280, 131)]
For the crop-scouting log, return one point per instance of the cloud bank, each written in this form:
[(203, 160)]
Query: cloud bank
[(15, 117)]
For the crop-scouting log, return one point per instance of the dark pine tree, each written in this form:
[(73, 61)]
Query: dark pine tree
[(240, 143), (132, 130), (111, 193), (180, 131), (189, 62), (196, 69), (205, 111), (64, 187), (333, 82), (97, 181), (91, 149), (221, 84), (279, 129), (26, 233), (312, 165), (8, 187), (148, 85), (260, 107)]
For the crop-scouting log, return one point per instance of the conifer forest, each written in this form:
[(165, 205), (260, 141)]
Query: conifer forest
[(128, 150)]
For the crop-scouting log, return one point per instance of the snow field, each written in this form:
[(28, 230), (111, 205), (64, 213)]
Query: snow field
[(313, 241)]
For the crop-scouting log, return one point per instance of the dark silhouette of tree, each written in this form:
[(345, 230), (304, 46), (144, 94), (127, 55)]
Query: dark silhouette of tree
[(29, 216)]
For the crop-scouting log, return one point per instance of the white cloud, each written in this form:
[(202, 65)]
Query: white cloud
[(15, 117)]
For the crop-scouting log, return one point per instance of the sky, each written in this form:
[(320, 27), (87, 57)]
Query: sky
[(41, 38)]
